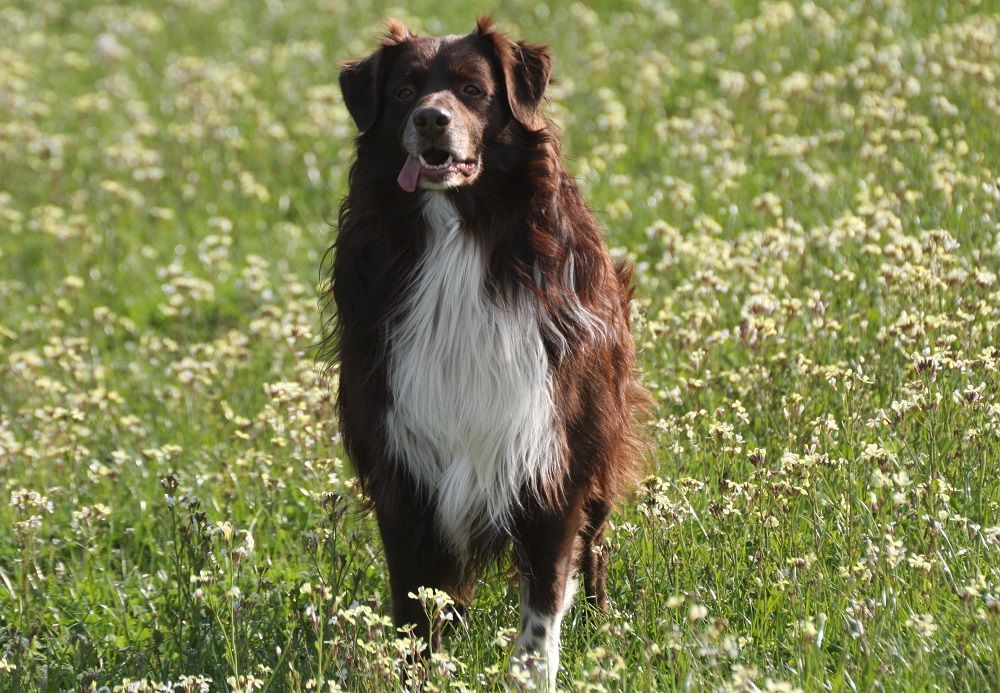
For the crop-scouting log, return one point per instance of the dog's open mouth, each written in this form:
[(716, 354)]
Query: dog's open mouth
[(433, 165)]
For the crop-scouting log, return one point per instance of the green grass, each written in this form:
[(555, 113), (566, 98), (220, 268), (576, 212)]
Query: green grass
[(810, 193)]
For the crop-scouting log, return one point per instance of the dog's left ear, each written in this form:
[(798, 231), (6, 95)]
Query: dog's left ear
[(526, 70), (361, 80)]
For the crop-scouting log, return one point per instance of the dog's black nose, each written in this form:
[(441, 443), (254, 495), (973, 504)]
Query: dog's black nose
[(431, 122)]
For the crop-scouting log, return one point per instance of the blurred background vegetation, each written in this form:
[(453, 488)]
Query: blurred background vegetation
[(810, 193)]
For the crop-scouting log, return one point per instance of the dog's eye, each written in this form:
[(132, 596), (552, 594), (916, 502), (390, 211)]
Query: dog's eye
[(472, 90), (405, 94)]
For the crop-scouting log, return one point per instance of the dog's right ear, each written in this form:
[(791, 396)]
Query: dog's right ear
[(361, 80), (359, 85)]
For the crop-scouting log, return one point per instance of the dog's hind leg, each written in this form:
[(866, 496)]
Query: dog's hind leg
[(594, 553)]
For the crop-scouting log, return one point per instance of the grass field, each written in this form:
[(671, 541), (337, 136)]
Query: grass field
[(811, 192)]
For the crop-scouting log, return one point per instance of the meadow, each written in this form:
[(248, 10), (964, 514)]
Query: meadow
[(811, 194)]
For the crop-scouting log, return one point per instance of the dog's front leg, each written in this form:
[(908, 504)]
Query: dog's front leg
[(416, 558), (546, 548)]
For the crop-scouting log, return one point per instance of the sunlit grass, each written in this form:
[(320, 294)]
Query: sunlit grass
[(810, 193)]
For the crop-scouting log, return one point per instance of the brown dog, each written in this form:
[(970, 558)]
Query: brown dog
[(487, 392)]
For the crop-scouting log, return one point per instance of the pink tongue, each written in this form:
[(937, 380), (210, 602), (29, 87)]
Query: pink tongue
[(410, 174)]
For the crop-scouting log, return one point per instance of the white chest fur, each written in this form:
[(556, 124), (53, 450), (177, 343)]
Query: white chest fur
[(472, 415)]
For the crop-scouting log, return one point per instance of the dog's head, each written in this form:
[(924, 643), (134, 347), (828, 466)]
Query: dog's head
[(438, 103)]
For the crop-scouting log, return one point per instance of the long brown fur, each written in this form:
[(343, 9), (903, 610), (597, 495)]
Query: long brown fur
[(538, 235)]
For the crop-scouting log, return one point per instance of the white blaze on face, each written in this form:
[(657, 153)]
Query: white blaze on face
[(416, 173), (455, 139), (472, 416)]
